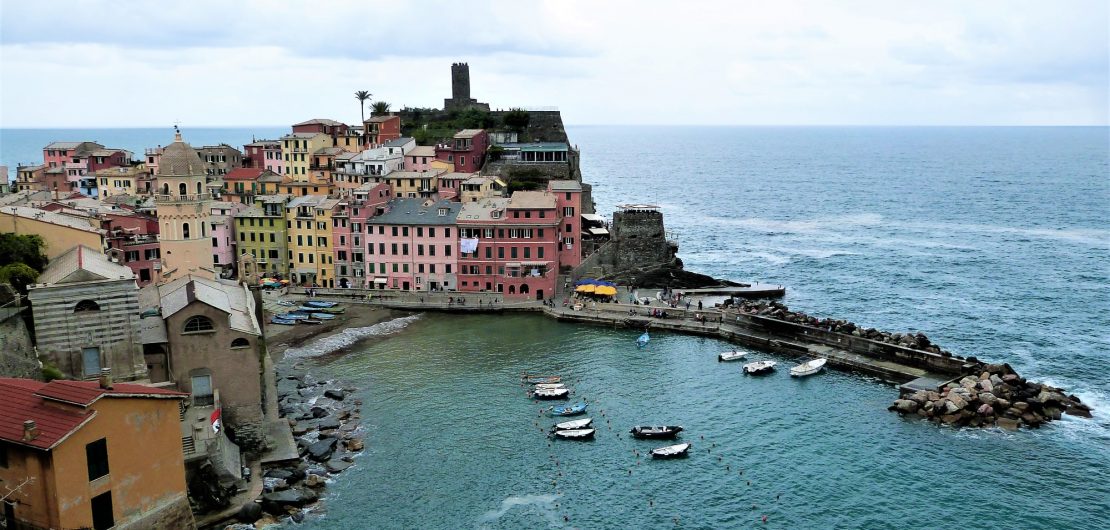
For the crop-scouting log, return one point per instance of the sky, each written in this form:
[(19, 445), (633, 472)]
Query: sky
[(104, 63)]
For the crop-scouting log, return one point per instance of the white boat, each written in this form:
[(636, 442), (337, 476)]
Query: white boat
[(574, 425), (671, 451), (808, 367), (550, 386), (551, 393), (730, 356), (759, 367), (575, 434)]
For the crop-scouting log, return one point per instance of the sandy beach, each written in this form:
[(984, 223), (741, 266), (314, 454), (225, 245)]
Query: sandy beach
[(279, 338)]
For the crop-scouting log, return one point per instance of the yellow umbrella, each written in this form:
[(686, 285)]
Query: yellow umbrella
[(585, 288), (605, 290)]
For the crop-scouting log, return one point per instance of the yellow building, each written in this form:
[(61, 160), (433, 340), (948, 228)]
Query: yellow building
[(184, 207), (297, 150), (88, 454), (131, 180), (60, 232), (309, 230), (411, 184)]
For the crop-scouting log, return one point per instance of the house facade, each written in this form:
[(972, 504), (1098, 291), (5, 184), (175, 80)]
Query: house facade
[(309, 225), (260, 231), (412, 245), (511, 245), (467, 150)]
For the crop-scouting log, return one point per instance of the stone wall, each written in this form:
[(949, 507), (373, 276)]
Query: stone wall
[(17, 356), (174, 513), (639, 239)]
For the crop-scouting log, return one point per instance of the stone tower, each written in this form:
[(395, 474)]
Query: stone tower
[(184, 212), (460, 82)]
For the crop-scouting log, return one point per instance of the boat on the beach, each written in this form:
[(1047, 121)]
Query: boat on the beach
[(569, 410), (537, 379), (310, 321), (573, 424), (549, 385), (322, 316), (551, 393), (671, 451), (283, 321), (293, 315), (730, 356), (319, 304), (333, 310), (760, 367), (808, 368), (286, 303), (656, 432), (575, 434)]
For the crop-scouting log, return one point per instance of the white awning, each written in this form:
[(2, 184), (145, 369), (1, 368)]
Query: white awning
[(535, 263), (598, 231), (593, 218), (381, 280)]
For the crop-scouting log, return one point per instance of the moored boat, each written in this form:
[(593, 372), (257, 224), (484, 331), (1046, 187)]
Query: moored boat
[(808, 368), (320, 303), (283, 321), (575, 434), (760, 367), (569, 410), (656, 432), (549, 385), (286, 303), (322, 316), (671, 451), (730, 356), (551, 393), (573, 424), (643, 340), (293, 315), (310, 321)]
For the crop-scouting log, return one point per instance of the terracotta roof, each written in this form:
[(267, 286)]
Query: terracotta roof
[(25, 399), (381, 119), (244, 173)]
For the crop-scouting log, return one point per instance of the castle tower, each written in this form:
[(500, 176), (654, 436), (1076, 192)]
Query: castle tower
[(460, 82), (184, 208)]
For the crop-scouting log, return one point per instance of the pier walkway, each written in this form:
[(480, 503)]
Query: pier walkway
[(726, 324)]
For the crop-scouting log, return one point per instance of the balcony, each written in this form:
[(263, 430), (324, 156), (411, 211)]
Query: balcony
[(164, 199)]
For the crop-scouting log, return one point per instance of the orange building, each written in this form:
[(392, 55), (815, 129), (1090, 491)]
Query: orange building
[(89, 454)]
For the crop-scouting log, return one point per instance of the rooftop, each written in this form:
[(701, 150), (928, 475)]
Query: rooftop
[(82, 264), (481, 210), (381, 119), (49, 217), (228, 297), (318, 121), (468, 133), (179, 159), (418, 212), (531, 199), (423, 150), (244, 173), (565, 185), (400, 142)]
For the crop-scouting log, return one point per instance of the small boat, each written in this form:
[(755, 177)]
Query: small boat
[(569, 410), (808, 368), (282, 321), (651, 432), (286, 303), (730, 356), (573, 424), (333, 310), (293, 315), (320, 303), (538, 379), (759, 367), (671, 451), (643, 340), (551, 393), (575, 434), (549, 386), (310, 321), (322, 316)]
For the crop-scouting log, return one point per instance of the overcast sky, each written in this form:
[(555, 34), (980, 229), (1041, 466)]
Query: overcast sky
[(226, 62)]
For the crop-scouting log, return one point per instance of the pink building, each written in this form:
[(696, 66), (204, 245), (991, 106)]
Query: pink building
[(264, 154), (81, 159), (467, 150), (221, 225), (420, 158), (511, 245), (412, 246), (568, 201), (349, 223), (133, 239)]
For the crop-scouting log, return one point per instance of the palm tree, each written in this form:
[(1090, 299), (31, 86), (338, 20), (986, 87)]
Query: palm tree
[(362, 96), (379, 108)]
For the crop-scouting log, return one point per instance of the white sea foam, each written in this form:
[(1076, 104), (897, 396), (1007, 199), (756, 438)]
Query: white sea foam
[(760, 224), (348, 337), (545, 503)]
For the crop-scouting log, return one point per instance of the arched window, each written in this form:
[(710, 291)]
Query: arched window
[(197, 324), (240, 343), (182, 189), (86, 305), (199, 188), (185, 230), (524, 289), (165, 189), (512, 289)]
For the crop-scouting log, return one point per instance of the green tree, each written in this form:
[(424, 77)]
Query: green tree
[(362, 96), (379, 108), (26, 249), (516, 119), (19, 275)]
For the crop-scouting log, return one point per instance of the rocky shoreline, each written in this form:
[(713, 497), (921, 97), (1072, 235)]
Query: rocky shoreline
[(997, 396)]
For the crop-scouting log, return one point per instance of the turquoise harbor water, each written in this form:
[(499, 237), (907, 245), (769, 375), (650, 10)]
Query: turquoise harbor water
[(993, 241)]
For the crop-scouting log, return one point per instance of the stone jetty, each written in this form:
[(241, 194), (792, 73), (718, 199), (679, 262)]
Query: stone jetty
[(994, 396)]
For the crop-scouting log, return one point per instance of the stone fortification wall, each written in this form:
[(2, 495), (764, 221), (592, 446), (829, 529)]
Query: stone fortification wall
[(17, 356), (639, 239)]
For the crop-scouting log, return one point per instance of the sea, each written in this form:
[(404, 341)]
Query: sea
[(993, 241)]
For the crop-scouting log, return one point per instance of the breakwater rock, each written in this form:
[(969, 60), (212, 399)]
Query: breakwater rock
[(997, 396), (778, 310)]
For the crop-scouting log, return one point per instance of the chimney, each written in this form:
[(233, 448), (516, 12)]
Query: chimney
[(106, 378), (30, 431)]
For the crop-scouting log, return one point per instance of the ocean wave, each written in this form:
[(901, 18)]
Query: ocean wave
[(1088, 236), (760, 224), (544, 502), (349, 336)]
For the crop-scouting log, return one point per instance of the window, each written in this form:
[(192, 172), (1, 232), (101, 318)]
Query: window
[(446, 250), (96, 453), (512, 252), (86, 305), (500, 252), (198, 324), (216, 241), (539, 252), (101, 506), (394, 230), (431, 231), (240, 343), (568, 211), (185, 230), (569, 228), (448, 267)]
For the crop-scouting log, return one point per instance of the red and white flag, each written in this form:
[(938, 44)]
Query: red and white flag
[(214, 419)]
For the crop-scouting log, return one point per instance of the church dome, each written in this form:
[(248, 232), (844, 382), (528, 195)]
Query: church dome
[(179, 159)]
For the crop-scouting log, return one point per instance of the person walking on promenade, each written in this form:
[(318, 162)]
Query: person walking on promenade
[(699, 305)]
